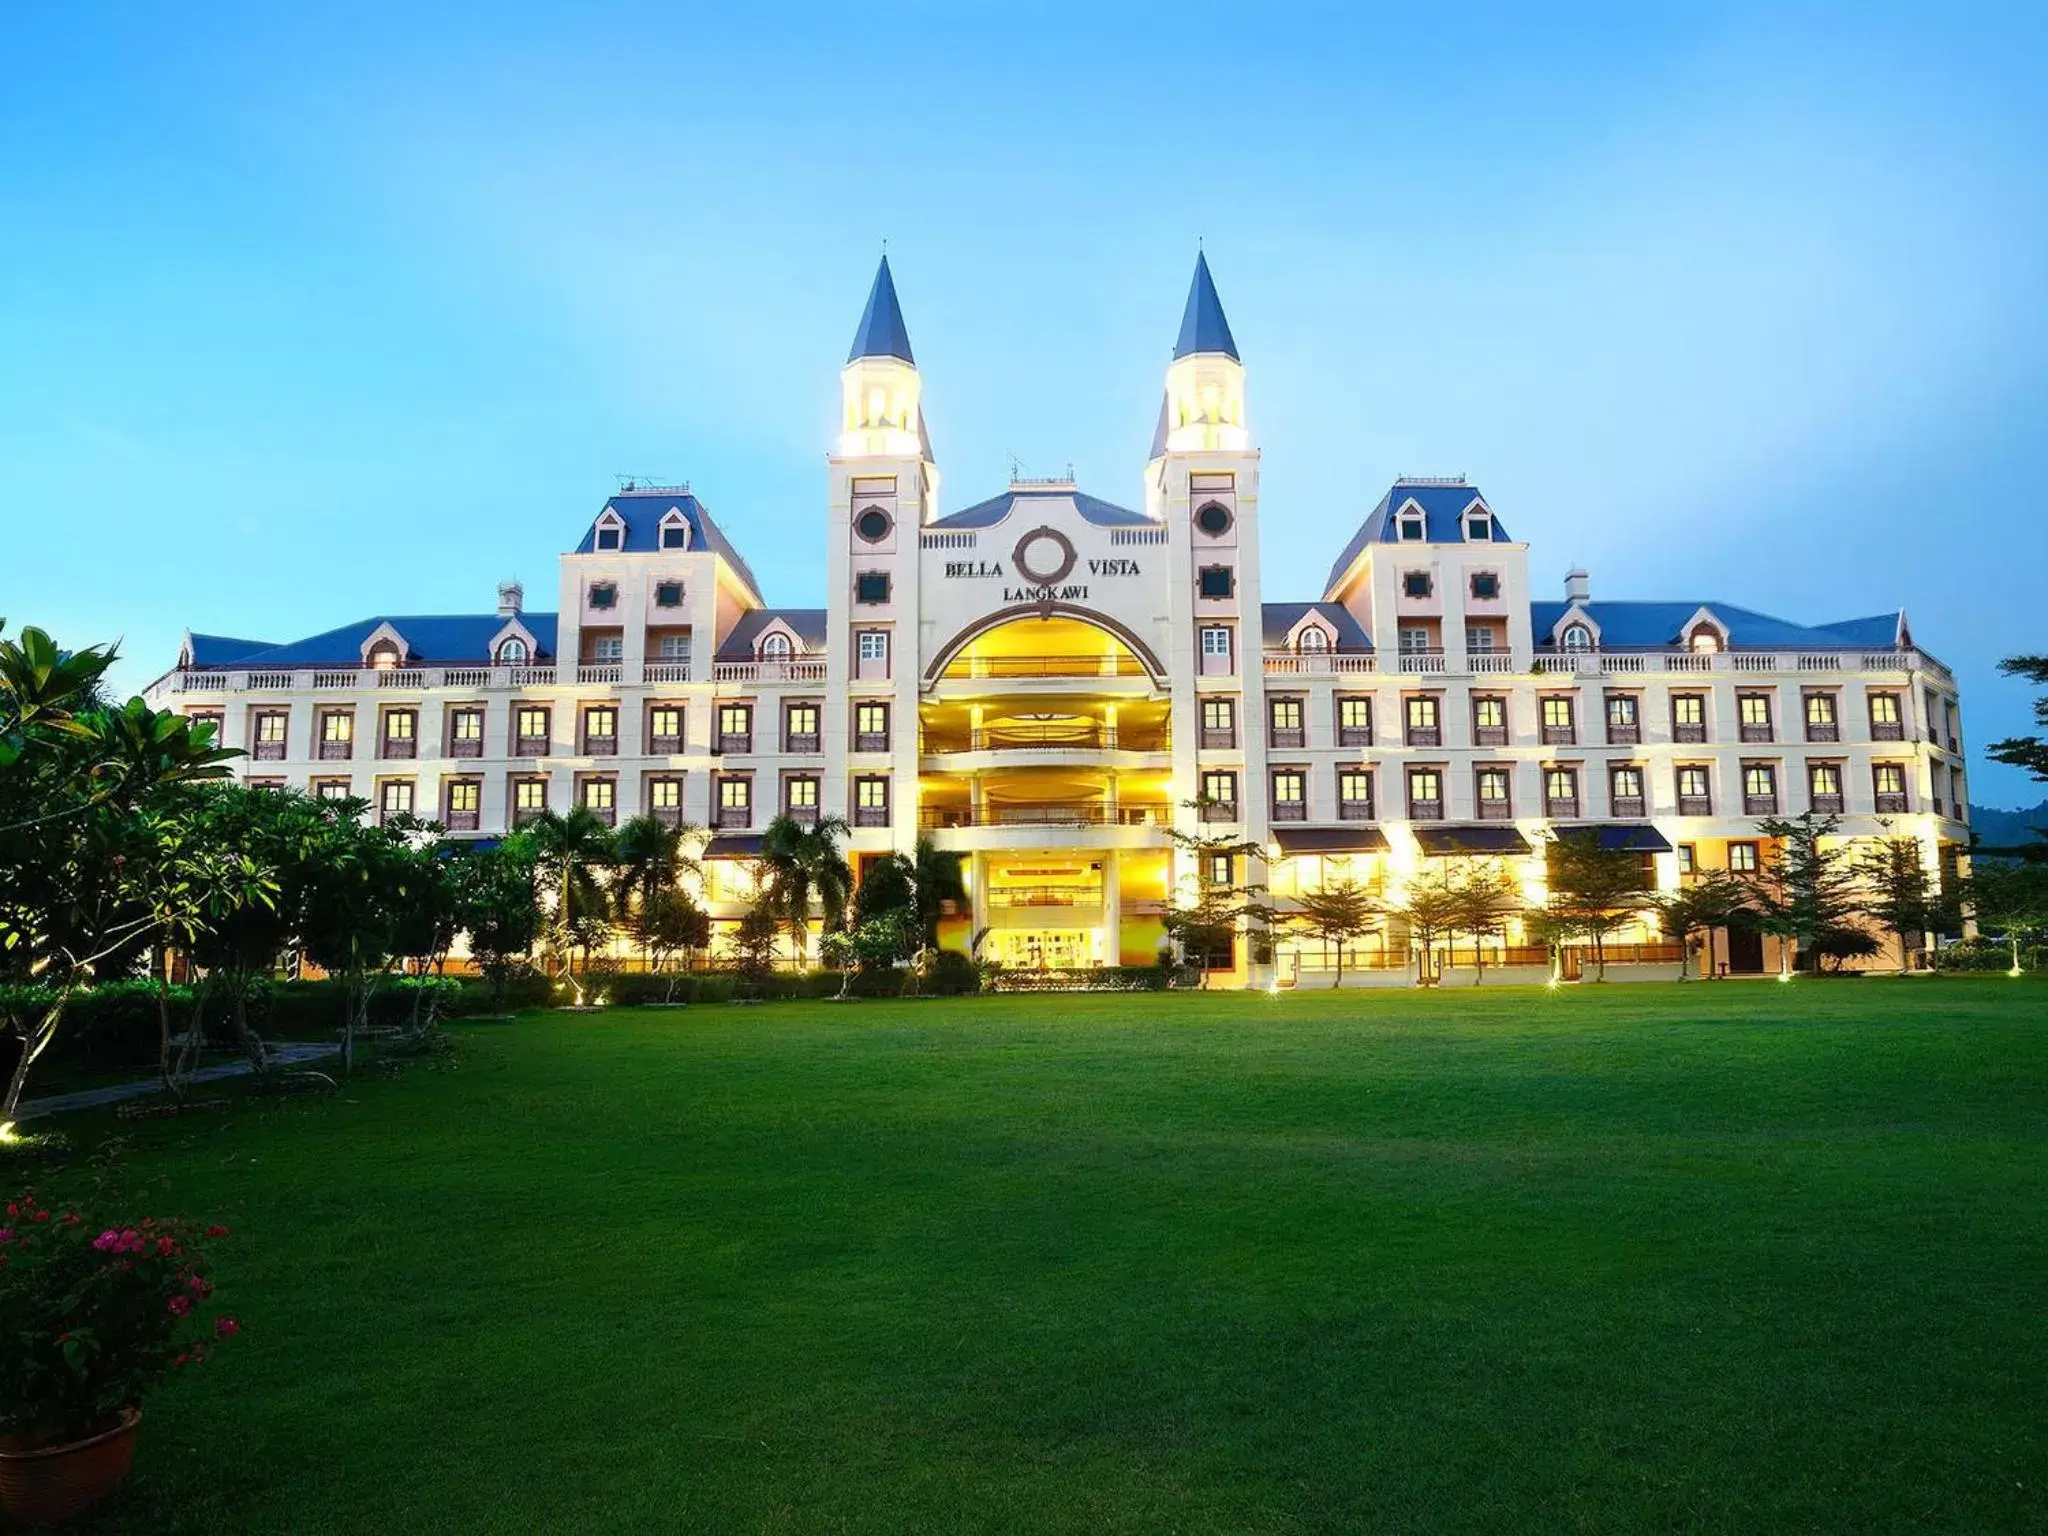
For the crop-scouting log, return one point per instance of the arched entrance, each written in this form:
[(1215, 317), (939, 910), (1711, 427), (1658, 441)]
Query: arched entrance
[(1045, 640)]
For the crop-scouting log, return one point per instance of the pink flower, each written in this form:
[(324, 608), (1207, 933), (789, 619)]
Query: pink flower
[(6, 1236), (165, 1247), (225, 1327), (216, 1230), (108, 1241), (199, 1286), (180, 1305)]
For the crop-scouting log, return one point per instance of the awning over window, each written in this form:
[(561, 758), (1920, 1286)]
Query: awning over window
[(1299, 840), (1493, 840), (1624, 837), (734, 845)]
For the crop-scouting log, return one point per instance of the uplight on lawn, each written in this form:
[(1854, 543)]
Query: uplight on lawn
[(8, 1134)]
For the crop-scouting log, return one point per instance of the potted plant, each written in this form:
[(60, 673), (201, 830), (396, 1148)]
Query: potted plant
[(94, 1316)]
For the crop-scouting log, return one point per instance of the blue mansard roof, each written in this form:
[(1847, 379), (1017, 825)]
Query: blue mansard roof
[(432, 639), (642, 512), (1277, 621), (986, 514), (882, 332), (745, 635), (1202, 325), (221, 651), (1443, 503), (1659, 625)]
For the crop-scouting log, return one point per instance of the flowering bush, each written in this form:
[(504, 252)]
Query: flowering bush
[(93, 1316)]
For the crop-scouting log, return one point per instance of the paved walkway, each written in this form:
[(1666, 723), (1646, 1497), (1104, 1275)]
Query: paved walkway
[(285, 1055)]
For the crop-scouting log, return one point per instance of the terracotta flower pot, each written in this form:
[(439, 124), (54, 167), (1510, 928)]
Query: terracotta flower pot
[(55, 1484)]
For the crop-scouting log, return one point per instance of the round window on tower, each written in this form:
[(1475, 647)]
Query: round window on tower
[(872, 525), (1214, 519)]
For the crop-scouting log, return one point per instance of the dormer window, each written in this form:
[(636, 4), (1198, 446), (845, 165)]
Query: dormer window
[(610, 536), (1412, 528), (1577, 637), (1479, 527), (675, 532), (668, 594), (1704, 641), (512, 652), (604, 594), (384, 656), (1314, 639), (775, 647)]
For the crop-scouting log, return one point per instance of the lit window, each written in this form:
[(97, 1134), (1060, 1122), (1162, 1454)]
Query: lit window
[(1557, 713), (397, 797), (1742, 858), (1884, 709), (467, 725), (775, 647), (871, 720), (1756, 708), (337, 727), (1422, 714), (1820, 709), (735, 719), (1355, 714), (1354, 786), (1577, 637), (1221, 869), (1692, 783), (665, 794), (1220, 788), (530, 795), (1889, 779), (1685, 859), (801, 794), (1315, 638), (1286, 714), (1705, 641), (270, 728), (400, 725), (512, 652), (1826, 778), (1561, 783), (1621, 709), (1688, 709), (735, 794), (1627, 783), (531, 723), (601, 720), (1493, 786), (598, 794), (871, 794), (1217, 715), (1425, 784), (1759, 780), (1289, 785), (665, 721), (465, 795), (1491, 712)]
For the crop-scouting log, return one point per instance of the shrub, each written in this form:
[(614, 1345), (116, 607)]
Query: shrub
[(1985, 955)]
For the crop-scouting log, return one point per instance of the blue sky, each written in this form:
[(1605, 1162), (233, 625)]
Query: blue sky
[(308, 313)]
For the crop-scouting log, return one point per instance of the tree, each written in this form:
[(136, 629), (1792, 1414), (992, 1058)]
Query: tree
[(1595, 891), (1336, 913), (935, 881), (1430, 907), (1704, 906), (651, 857), (569, 852), (802, 865), (2011, 898), (1208, 910), (2028, 752), (1487, 897), (1805, 887), (666, 922), (354, 905), (1900, 895), (753, 943), (497, 904)]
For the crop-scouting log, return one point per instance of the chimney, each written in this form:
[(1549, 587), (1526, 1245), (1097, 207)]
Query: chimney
[(1576, 587), (510, 596)]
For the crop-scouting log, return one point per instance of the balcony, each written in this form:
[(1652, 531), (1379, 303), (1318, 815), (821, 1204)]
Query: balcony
[(1429, 659), (1354, 810), (1760, 805), (1312, 663), (1891, 804), (608, 814), (1490, 735), (466, 746), (530, 746), (1629, 807), (665, 672), (1559, 735), (336, 751), (1823, 730), (668, 815), (1219, 810), (1290, 810), (1887, 730), (1287, 736), (268, 751), (527, 814), (870, 741), (1354, 735), (1085, 813), (774, 671), (1559, 808), (871, 815), (598, 672), (1032, 896), (601, 746), (1501, 809), (802, 815), (1425, 810), (1619, 735), (667, 744), (1827, 805), (808, 741), (1695, 805), (461, 821), (730, 816), (734, 743), (398, 747), (1425, 736), (1218, 738), (1689, 731), (1044, 666)]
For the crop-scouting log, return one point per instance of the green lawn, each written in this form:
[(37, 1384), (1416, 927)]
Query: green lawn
[(1741, 1258)]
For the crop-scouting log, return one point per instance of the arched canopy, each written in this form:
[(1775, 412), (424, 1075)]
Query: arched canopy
[(1046, 640)]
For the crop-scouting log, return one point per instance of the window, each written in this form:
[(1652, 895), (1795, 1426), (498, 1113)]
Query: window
[(600, 729), (665, 726), (1759, 782), (873, 645), (1422, 713), (1557, 714), (1490, 713), (604, 594), (599, 794), (465, 797), (872, 525), (1412, 529), (530, 797), (871, 728), (1478, 638), (512, 652), (674, 648), (1213, 519), (1825, 779), (1889, 782), (337, 727), (800, 794), (1220, 789), (606, 649), (1354, 722), (1485, 586), (1479, 527), (1313, 637), (1219, 722), (1414, 640), (675, 534), (668, 594), (384, 657), (871, 587), (1290, 794), (735, 794), (1742, 858), (1286, 720), (400, 724), (330, 789), (1492, 788), (870, 800), (1687, 859), (775, 646), (1221, 869), (395, 797), (665, 795), (1416, 584), (1217, 581), (1625, 785), (1820, 709), (1561, 790), (735, 727), (1621, 710), (530, 723), (1692, 782), (466, 725), (1354, 788), (1425, 794), (270, 728), (1704, 641), (1215, 642), (800, 725), (609, 536), (1577, 637), (1755, 711), (1885, 723)]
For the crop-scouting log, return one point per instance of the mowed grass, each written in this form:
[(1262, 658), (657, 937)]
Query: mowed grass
[(1739, 1257)]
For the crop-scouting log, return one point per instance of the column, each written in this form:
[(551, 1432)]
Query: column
[(1112, 908)]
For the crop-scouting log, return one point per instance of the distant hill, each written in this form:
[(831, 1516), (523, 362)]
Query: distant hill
[(2007, 829)]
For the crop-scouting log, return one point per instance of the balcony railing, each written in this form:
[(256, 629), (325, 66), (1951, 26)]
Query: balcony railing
[(871, 815), (1560, 808), (1501, 809), (802, 815), (1087, 813), (1219, 810), (1891, 804), (466, 746), (608, 814), (461, 821), (1354, 810), (399, 747), (1425, 810), (1760, 805), (1695, 805), (1690, 731), (665, 672), (1823, 730), (1425, 736), (734, 744), (1290, 810), (1044, 666), (1354, 735), (1827, 805), (269, 751), (729, 816), (667, 745), (1218, 738), (668, 815), (525, 814), (599, 671), (809, 741), (1629, 807), (1620, 735), (1287, 737), (870, 741), (336, 751), (1045, 896), (1752, 731), (601, 746), (530, 746), (773, 671), (1560, 735), (1313, 663), (1887, 730), (1490, 735)]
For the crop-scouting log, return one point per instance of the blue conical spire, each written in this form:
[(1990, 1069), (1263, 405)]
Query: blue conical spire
[(1202, 327), (881, 332)]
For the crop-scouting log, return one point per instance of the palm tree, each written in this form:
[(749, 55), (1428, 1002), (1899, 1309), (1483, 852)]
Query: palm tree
[(936, 879), (649, 858), (570, 850), (803, 864)]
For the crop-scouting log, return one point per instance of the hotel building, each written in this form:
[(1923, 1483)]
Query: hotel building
[(1047, 682)]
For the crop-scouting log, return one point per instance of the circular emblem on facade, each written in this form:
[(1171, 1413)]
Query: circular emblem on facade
[(1043, 557)]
